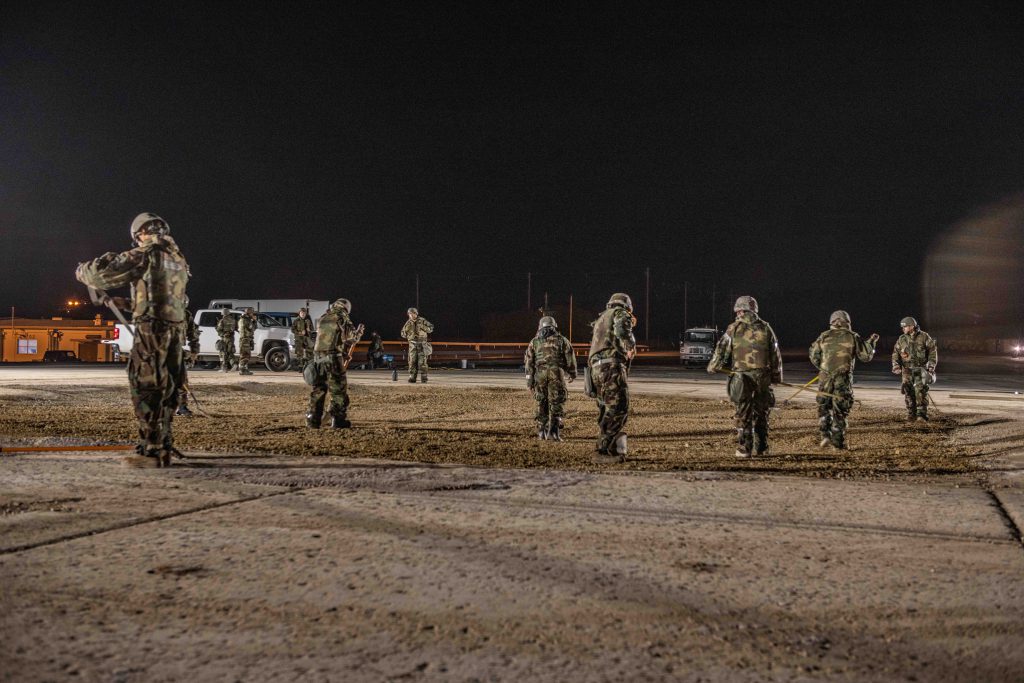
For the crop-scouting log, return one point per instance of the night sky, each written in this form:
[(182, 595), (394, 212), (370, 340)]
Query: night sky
[(809, 160)]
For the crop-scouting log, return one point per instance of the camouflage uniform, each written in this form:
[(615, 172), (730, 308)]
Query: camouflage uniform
[(192, 337), (750, 350), (158, 275), (335, 336), (915, 357), (246, 337), (548, 355), (302, 330), (415, 332), (835, 353), (226, 327), (611, 350), (375, 353)]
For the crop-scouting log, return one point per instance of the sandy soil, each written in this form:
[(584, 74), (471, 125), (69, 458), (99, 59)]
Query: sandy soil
[(493, 427)]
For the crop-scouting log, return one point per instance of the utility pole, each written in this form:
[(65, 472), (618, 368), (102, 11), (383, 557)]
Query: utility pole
[(529, 285), (686, 306), (545, 303), (417, 291), (647, 308), (714, 291), (570, 319)]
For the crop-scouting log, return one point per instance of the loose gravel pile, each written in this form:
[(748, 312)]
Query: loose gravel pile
[(492, 427)]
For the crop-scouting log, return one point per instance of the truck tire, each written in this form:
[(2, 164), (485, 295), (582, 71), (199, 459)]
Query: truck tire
[(277, 359)]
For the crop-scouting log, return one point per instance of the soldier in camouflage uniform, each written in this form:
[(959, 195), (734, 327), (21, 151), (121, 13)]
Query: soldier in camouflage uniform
[(226, 327), (335, 338), (915, 358), (835, 353), (246, 340), (749, 352), (416, 331), (612, 348), (158, 275), (302, 330), (548, 356), (192, 337)]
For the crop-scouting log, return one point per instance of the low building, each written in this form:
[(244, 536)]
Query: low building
[(25, 339)]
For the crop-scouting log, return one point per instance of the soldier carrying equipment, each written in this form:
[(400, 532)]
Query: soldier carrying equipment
[(548, 356), (612, 347), (158, 275), (336, 336), (835, 353), (915, 358), (417, 331), (750, 349)]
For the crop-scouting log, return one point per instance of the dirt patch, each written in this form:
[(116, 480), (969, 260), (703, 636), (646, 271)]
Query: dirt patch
[(493, 427)]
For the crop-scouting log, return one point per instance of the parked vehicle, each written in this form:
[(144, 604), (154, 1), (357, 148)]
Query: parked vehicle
[(273, 342), (697, 345), (283, 309), (61, 357)]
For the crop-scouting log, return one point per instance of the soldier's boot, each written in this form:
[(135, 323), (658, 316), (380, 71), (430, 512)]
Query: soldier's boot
[(183, 411), (542, 432), (760, 445), (412, 379), (394, 375), (825, 429), (922, 414), (144, 458), (423, 379), (339, 422), (911, 415), (744, 443), (606, 454), (224, 367), (312, 420), (554, 429)]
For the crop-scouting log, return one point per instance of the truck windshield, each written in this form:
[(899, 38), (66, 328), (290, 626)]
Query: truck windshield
[(705, 337), (266, 321)]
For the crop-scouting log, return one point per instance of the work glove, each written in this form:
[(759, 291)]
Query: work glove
[(930, 367), (897, 370)]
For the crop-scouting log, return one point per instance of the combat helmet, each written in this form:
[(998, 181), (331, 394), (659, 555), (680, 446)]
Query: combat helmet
[(151, 221), (343, 304), (839, 317), (908, 321), (547, 321), (745, 303), (412, 311), (620, 299)]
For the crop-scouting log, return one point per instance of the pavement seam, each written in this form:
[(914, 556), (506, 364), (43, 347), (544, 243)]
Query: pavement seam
[(1005, 516), (711, 518), (138, 522)]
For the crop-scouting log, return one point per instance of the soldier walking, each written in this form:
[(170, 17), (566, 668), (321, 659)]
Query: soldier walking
[(835, 353), (302, 330), (246, 340), (749, 353), (612, 348), (416, 331), (548, 356), (158, 274), (915, 357), (226, 339), (335, 338), (192, 337)]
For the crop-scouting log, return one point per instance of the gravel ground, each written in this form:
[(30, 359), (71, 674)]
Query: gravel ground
[(492, 427)]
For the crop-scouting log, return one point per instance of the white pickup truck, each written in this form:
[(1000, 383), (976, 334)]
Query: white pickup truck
[(273, 342)]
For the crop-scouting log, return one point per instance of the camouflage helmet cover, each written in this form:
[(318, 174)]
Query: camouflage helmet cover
[(908, 321), (620, 299), (412, 310), (745, 303), (547, 321), (839, 317), (343, 304), (145, 219), (249, 310)]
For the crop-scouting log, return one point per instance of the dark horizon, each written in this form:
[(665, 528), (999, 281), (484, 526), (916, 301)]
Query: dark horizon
[(812, 162)]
